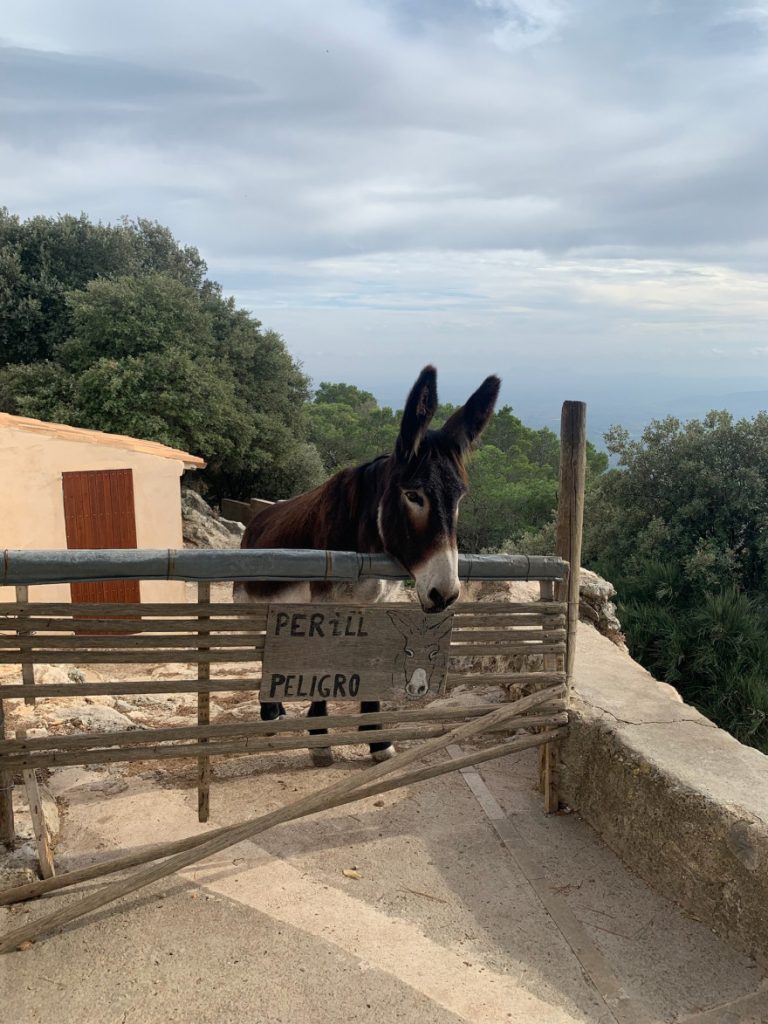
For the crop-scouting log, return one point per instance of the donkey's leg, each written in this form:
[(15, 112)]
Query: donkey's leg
[(379, 751), (271, 712), (321, 756)]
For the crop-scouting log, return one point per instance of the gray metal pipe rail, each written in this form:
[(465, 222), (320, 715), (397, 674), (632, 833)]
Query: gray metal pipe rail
[(65, 566)]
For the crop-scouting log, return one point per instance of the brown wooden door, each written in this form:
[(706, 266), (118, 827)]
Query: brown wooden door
[(99, 513)]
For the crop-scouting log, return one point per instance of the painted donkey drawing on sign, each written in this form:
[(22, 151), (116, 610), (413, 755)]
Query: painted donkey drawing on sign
[(421, 658), (405, 504)]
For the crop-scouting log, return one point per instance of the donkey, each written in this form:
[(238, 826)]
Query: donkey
[(405, 504)]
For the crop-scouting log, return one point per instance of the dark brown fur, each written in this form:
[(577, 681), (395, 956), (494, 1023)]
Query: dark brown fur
[(367, 509)]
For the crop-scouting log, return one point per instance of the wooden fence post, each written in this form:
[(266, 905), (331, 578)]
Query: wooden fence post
[(27, 666), (40, 829), (7, 826), (570, 523), (203, 706)]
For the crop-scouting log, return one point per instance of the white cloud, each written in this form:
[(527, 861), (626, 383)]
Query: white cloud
[(588, 178)]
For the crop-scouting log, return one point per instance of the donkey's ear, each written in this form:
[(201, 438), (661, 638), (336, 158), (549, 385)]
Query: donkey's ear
[(417, 414), (468, 422), (401, 624), (442, 628)]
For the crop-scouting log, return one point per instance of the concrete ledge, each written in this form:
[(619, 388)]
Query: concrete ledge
[(679, 800)]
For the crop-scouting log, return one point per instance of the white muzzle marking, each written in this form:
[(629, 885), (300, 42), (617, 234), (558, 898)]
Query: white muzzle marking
[(441, 573)]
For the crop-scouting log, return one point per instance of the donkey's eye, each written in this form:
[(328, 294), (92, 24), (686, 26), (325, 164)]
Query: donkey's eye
[(409, 652), (415, 498), (433, 654)]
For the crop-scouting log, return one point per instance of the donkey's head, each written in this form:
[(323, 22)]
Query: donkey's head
[(426, 481), (421, 654)]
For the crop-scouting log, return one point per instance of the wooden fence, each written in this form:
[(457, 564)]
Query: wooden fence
[(532, 642)]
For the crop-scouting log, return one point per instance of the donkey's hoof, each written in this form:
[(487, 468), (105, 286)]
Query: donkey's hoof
[(322, 757), (383, 755)]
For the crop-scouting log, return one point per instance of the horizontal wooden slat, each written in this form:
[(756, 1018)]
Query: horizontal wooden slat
[(508, 648), (151, 609), (509, 608), (243, 638), (130, 625), (504, 636), (155, 657), (536, 679), (145, 610), (507, 621), (135, 737), (246, 745), (43, 642), (121, 688)]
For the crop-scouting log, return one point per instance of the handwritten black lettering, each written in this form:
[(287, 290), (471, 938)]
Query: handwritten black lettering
[(296, 629), (281, 622), (276, 680), (316, 624)]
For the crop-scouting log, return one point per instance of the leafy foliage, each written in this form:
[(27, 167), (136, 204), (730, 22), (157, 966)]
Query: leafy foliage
[(116, 328), (513, 474), (680, 529)]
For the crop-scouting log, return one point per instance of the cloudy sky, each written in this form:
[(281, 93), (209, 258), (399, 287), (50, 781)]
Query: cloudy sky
[(571, 193)]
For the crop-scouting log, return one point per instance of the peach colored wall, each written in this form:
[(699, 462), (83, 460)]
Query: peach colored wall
[(32, 506)]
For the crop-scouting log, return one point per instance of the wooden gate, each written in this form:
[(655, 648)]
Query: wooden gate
[(392, 653)]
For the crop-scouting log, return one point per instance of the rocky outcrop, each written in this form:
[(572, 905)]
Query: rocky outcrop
[(597, 607), (203, 527)]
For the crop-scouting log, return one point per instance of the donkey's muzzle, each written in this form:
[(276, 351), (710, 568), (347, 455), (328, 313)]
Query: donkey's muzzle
[(439, 602)]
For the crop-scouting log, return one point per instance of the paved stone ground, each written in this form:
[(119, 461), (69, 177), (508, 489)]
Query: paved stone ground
[(472, 906)]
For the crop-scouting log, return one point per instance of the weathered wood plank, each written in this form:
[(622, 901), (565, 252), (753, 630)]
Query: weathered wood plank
[(504, 636), (507, 621), (137, 737), (203, 703), (158, 636), (151, 641), (315, 802), (130, 625), (486, 608), (246, 745), (27, 664), (501, 650), (138, 657), (126, 687), (118, 687), (348, 652), (32, 890), (147, 610), (42, 844), (504, 713), (504, 678), (570, 513)]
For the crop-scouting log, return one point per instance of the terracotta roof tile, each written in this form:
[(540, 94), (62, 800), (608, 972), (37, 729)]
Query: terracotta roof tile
[(67, 433)]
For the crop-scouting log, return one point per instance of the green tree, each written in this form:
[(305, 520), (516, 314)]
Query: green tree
[(680, 529), (348, 427), (115, 327)]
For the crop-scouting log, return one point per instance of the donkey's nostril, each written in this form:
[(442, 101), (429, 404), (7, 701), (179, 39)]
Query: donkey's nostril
[(439, 601)]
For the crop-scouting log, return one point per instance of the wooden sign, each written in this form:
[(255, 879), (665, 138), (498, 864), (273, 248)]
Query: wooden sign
[(347, 652)]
